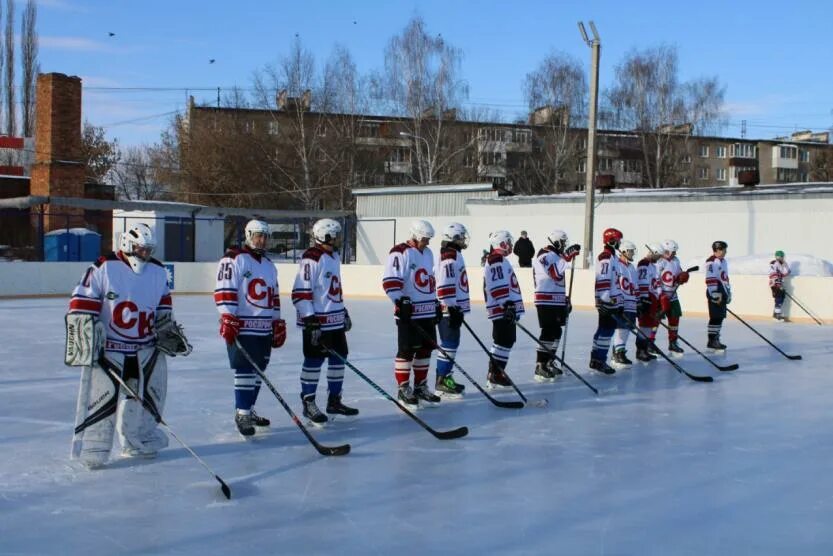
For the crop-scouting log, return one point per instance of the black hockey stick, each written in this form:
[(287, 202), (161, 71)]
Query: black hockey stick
[(489, 353), (342, 450), (498, 403), (812, 316), (442, 435), (732, 367), (791, 357), (635, 329), (555, 355), (567, 323), (694, 268), (108, 366)]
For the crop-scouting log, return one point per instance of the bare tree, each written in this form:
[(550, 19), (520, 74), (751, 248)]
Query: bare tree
[(29, 66), (422, 81), (9, 84), (821, 167), (135, 175), (99, 155)]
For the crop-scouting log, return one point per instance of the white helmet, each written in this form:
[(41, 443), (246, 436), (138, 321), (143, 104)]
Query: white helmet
[(654, 248), (256, 227), (558, 239), (457, 234), (421, 229), (670, 246), (502, 241), (326, 231), (627, 246), (140, 236)]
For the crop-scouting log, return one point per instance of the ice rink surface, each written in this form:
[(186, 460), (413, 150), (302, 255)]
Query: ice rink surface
[(657, 465)]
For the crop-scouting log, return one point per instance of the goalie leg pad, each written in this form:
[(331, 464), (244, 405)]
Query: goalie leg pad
[(95, 416), (84, 339), (155, 392), (137, 424)]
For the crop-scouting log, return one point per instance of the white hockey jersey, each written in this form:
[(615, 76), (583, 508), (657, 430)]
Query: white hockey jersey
[(669, 270), (717, 276), (317, 289), (127, 303), (452, 279), (628, 285), (500, 285), (648, 279), (548, 274), (777, 273), (247, 286), (607, 279), (409, 272)]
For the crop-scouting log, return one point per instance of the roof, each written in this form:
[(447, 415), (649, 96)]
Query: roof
[(424, 189)]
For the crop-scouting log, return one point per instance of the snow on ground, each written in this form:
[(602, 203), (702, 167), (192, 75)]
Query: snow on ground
[(758, 264), (657, 465)]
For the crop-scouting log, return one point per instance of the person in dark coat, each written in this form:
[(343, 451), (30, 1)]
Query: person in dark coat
[(524, 250)]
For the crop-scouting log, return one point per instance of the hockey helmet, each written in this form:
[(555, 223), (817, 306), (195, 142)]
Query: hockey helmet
[(457, 234), (719, 245), (421, 229), (137, 245), (326, 232), (628, 249), (670, 246), (612, 237), (256, 227), (501, 241), (558, 239)]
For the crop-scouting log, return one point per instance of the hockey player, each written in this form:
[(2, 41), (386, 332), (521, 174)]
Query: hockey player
[(120, 320), (718, 292), (671, 276), (453, 293), (318, 301), (409, 283), (629, 286), (504, 305), (778, 270), (650, 293), (549, 268), (609, 301), (246, 295)]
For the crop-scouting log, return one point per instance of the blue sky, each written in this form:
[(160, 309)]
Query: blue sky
[(773, 56)]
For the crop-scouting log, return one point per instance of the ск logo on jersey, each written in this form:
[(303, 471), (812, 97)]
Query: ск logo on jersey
[(668, 277), (260, 295), (627, 286), (423, 281), (334, 293), (126, 316), (464, 281)]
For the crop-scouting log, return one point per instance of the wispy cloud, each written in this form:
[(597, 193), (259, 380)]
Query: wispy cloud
[(82, 44), (62, 5)]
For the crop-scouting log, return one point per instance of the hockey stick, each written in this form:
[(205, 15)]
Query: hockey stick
[(435, 345), (442, 435), (791, 357), (491, 358), (342, 450), (554, 354), (635, 329), (694, 268), (732, 367), (107, 366), (812, 316), (567, 324)]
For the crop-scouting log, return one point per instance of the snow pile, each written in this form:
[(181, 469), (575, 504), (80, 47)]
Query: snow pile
[(758, 264)]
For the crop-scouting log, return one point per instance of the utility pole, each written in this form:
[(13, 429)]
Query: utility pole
[(589, 187)]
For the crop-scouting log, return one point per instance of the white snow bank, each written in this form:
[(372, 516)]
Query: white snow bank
[(758, 264)]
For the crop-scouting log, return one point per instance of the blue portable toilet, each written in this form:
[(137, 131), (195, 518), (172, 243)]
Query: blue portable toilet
[(76, 244), (89, 242)]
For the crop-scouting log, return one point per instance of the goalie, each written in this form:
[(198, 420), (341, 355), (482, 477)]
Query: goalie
[(119, 328)]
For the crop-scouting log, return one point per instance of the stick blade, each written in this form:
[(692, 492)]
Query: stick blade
[(342, 450), (448, 435), (509, 405), (224, 487), (794, 357), (698, 378), (732, 367)]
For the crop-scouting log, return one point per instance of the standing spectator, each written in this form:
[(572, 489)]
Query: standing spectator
[(778, 270), (524, 250)]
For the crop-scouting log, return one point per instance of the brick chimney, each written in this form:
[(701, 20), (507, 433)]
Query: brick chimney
[(58, 170)]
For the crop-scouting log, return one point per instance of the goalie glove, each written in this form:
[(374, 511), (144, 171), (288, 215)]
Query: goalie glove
[(85, 339), (170, 337)]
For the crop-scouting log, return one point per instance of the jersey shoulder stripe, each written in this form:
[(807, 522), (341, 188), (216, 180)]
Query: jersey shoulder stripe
[(644, 262), (711, 259), (313, 253), (448, 253), (399, 248), (494, 258), (604, 255)]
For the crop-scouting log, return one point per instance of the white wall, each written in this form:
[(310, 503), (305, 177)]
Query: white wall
[(751, 293), (209, 239)]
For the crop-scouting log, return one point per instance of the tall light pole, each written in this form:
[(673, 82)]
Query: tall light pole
[(589, 187), (427, 148)]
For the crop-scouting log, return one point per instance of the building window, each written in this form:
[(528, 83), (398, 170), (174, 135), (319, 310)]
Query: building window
[(582, 144), (804, 155), (249, 126), (581, 168), (720, 174), (491, 158), (522, 136), (744, 150), (737, 169), (720, 152), (273, 127), (687, 159), (399, 154), (704, 151), (368, 129), (686, 181), (491, 134), (703, 172), (468, 160), (788, 152), (804, 176), (633, 165), (605, 164)]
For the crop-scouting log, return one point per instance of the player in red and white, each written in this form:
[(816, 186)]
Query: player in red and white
[(778, 270), (671, 276), (246, 295), (409, 283), (718, 293), (629, 286), (453, 293), (120, 318), (504, 305), (650, 293), (549, 268), (609, 300), (319, 305)]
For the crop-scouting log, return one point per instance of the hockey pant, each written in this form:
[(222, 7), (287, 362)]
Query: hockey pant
[(414, 350), (674, 320), (550, 318), (778, 294), (602, 337), (648, 324), (449, 342), (504, 335), (623, 330), (314, 356), (717, 314), (246, 380)]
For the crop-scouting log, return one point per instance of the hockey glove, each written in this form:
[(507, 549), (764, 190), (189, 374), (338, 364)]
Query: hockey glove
[(404, 309), (348, 323), (455, 317), (664, 305), (509, 311), (229, 327), (571, 252), (569, 305), (278, 333), (312, 327), (644, 307), (438, 312), (715, 297), (682, 278), (607, 309), (170, 336)]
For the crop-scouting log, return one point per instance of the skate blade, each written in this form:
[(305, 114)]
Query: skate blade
[(619, 366), (323, 425), (428, 405), (449, 396), (408, 406), (675, 355), (333, 417), (493, 386), (716, 351), (543, 379), (138, 455)]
